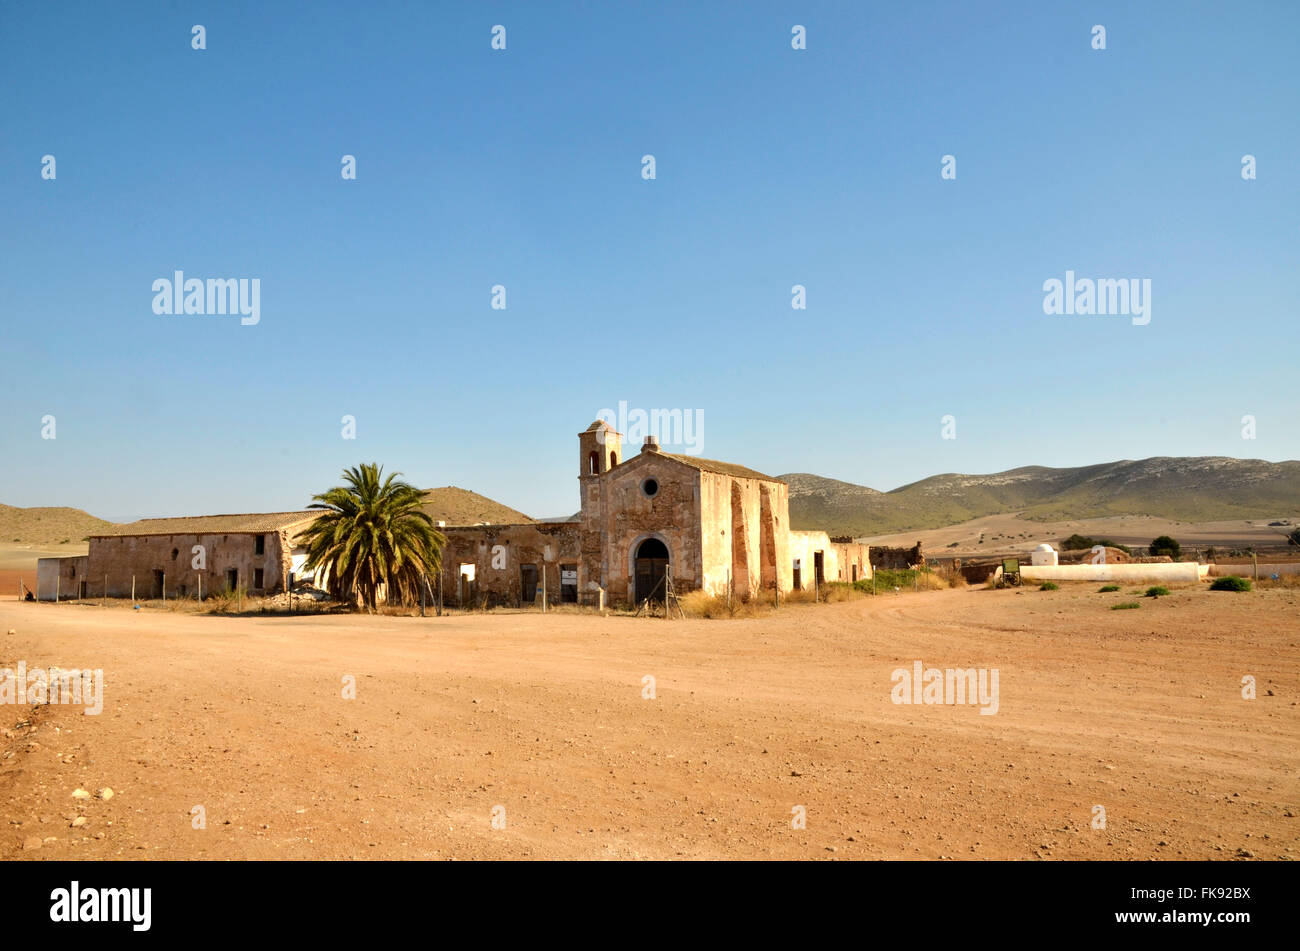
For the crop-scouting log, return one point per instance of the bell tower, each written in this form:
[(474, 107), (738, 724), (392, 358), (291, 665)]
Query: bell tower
[(600, 448)]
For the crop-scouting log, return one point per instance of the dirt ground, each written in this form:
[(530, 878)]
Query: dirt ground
[(1138, 711)]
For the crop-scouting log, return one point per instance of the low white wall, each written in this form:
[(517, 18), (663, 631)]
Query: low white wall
[(1248, 571), (1155, 571), (60, 577)]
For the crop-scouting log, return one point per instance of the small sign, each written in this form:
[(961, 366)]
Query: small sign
[(569, 576), (798, 563)]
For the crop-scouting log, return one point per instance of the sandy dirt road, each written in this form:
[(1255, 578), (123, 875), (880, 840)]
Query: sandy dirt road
[(1138, 711)]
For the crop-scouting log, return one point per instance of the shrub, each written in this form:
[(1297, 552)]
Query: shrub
[(1156, 591), (1109, 587), (904, 579), (1077, 541), (1294, 537), (1049, 586), (1230, 583), (1125, 606), (1164, 545), (700, 603)]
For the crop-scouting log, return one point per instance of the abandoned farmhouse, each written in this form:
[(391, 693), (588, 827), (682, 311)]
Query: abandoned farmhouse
[(645, 523)]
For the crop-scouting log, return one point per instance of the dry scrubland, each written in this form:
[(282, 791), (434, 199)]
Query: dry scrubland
[(1014, 534), (1139, 711)]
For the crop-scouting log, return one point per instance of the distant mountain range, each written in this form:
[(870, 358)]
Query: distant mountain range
[(1185, 489), (1191, 489)]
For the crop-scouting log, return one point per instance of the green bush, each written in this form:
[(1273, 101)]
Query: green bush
[(1109, 587), (887, 579), (1125, 606), (1156, 591), (1077, 541), (1049, 586), (1230, 583), (1164, 545)]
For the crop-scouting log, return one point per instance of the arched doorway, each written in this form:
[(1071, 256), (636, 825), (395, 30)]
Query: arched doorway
[(650, 566)]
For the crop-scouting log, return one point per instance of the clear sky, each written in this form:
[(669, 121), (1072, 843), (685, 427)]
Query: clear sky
[(523, 167)]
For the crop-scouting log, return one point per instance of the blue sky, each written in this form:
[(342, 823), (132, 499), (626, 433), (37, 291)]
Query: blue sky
[(522, 167)]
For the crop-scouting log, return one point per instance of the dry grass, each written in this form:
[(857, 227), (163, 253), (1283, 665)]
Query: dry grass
[(702, 604), (1283, 581)]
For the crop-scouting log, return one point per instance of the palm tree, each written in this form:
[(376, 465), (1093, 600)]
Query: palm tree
[(373, 537)]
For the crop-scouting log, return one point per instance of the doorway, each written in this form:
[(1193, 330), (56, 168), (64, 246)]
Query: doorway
[(528, 583), (651, 567)]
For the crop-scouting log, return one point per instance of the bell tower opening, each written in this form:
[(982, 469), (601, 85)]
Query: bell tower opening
[(599, 446)]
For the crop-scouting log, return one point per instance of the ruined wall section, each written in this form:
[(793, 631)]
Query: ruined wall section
[(499, 554), (124, 557), (842, 559), (744, 526), (892, 558)]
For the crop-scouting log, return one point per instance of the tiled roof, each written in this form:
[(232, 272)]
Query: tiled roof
[(726, 468), (257, 522)]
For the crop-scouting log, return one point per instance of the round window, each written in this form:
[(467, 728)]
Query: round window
[(650, 487)]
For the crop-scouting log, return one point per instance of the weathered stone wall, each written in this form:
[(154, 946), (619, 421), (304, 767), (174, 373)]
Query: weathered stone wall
[(882, 557), (745, 534), (628, 517), (853, 561), (122, 557), (839, 558), (498, 554)]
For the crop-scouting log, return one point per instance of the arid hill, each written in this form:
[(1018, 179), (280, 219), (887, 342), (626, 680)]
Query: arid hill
[(463, 507), (1191, 489), (47, 525)]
